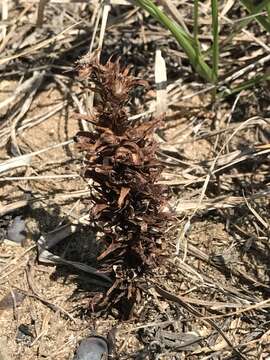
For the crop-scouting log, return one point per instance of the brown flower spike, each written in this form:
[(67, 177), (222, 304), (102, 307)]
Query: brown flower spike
[(121, 161)]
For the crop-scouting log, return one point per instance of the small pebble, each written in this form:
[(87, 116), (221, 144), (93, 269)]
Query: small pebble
[(16, 230), (92, 348), (24, 334)]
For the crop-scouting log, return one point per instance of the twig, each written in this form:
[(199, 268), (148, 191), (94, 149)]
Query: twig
[(40, 14), (52, 306), (196, 313), (40, 45), (261, 305), (25, 160), (9, 208), (39, 177), (36, 81)]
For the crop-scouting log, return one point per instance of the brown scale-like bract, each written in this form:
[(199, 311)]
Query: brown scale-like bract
[(127, 203)]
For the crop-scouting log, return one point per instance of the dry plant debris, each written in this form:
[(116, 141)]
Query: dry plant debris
[(127, 203)]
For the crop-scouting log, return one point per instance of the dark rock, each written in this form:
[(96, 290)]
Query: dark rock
[(16, 230), (92, 348), (24, 334)]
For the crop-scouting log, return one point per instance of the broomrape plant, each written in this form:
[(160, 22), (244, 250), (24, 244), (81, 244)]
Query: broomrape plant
[(127, 203)]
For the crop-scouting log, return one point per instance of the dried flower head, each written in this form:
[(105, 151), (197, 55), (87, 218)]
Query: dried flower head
[(121, 160)]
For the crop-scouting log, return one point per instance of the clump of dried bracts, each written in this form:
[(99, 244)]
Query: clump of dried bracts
[(121, 161)]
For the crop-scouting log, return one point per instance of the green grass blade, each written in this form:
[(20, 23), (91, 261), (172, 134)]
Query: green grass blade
[(244, 85), (238, 26), (252, 9), (196, 27), (215, 33), (185, 40)]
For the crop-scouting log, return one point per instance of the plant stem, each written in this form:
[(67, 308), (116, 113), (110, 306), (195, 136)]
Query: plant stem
[(215, 49), (245, 85), (185, 40), (196, 26), (252, 9)]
